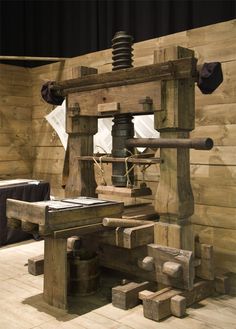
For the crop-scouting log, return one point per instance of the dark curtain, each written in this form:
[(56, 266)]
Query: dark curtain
[(71, 28)]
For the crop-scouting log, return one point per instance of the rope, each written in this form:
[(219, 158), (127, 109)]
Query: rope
[(127, 169), (144, 168), (100, 167)]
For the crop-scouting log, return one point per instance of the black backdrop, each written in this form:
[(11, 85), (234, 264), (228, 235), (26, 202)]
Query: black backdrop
[(74, 27)]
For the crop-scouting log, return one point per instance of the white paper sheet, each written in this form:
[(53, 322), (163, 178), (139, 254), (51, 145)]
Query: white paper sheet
[(57, 119)]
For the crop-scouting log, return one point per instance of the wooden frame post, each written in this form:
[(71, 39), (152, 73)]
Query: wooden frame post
[(55, 272), (174, 199), (81, 179)]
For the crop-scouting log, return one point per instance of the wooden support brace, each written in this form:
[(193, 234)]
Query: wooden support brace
[(81, 129)]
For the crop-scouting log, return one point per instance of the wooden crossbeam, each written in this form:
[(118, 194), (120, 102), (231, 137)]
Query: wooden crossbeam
[(177, 69)]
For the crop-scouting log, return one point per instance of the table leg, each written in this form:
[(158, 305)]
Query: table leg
[(55, 272)]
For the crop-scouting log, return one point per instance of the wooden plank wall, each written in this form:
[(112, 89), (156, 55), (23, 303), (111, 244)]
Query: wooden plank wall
[(15, 122), (213, 173)]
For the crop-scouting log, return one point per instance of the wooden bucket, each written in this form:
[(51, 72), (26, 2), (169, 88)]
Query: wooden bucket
[(84, 276)]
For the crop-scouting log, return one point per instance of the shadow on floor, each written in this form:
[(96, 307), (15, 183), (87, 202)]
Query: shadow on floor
[(79, 305)]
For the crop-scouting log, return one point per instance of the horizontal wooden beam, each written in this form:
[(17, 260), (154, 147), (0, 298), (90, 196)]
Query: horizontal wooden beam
[(193, 143), (123, 222), (109, 159), (80, 230), (32, 58), (178, 69)]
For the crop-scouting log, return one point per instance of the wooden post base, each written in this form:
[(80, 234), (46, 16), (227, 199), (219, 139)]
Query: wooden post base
[(168, 301)]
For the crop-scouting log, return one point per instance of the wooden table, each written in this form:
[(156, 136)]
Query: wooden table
[(56, 221), (20, 189)]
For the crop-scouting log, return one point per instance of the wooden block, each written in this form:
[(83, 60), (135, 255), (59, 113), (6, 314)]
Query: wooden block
[(126, 296), (222, 284), (206, 251), (158, 307), (161, 233), (200, 291), (135, 236), (232, 282), (36, 265), (178, 306), (147, 263), (73, 243), (162, 254), (172, 269), (206, 268), (108, 107), (174, 236), (125, 260), (147, 294), (123, 191)]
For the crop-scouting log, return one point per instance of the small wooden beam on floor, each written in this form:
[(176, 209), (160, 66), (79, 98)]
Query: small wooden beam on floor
[(127, 296), (36, 265), (157, 306), (165, 302)]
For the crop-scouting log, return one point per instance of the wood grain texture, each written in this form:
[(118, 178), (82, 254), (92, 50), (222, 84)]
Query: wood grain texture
[(55, 272), (214, 179)]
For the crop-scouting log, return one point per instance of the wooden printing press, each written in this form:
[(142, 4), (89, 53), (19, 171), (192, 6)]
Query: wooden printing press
[(163, 251)]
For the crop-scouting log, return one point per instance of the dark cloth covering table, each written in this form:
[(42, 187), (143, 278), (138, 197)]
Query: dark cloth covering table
[(25, 190)]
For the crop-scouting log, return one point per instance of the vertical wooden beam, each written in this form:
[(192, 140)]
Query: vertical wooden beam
[(55, 272), (81, 180), (174, 199)]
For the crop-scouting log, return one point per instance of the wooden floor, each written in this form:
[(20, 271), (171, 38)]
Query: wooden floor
[(22, 306)]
